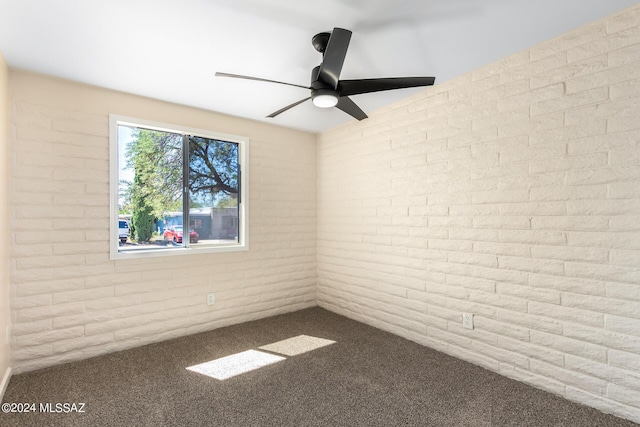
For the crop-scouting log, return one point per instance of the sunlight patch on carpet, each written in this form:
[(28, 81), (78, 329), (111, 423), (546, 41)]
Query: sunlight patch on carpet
[(297, 345), (236, 364)]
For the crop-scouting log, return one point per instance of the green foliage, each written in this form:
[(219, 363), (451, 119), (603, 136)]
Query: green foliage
[(142, 224), (156, 158), (153, 185)]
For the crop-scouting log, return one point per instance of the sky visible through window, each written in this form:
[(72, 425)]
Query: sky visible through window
[(125, 136)]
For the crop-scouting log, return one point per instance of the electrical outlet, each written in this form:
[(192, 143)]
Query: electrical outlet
[(211, 299), (467, 320)]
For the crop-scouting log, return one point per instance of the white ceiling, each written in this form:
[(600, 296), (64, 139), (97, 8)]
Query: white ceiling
[(170, 50)]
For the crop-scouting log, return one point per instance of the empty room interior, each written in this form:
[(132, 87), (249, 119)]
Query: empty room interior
[(339, 213)]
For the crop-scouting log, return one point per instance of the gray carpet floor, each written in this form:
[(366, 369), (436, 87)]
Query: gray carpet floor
[(367, 378)]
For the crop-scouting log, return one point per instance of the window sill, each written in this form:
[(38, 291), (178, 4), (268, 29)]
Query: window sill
[(163, 252)]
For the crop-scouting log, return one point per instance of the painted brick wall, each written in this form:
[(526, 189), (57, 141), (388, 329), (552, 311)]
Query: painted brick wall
[(69, 301), (5, 320), (512, 193)]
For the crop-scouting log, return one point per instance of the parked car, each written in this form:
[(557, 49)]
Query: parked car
[(123, 231), (174, 234)]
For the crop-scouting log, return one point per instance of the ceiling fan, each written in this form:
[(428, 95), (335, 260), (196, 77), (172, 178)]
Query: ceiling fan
[(327, 90)]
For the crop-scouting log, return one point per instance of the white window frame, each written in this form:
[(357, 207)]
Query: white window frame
[(243, 206)]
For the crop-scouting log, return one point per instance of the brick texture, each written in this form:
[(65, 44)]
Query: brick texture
[(5, 307), (69, 301), (510, 193)]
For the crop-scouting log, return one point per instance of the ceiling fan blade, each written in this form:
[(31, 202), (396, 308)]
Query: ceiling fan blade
[(348, 106), (333, 57), (238, 76), (282, 110), (356, 87)]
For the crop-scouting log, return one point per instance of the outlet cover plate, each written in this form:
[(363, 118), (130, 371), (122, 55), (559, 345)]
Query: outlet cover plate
[(467, 320)]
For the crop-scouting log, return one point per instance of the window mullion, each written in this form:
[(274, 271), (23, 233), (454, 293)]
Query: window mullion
[(239, 204), (186, 230)]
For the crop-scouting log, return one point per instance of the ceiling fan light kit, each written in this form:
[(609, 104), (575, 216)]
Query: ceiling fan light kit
[(324, 98), (327, 90)]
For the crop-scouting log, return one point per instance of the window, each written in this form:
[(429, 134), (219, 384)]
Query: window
[(176, 190)]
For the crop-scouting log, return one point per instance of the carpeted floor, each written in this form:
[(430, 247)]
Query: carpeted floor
[(368, 377)]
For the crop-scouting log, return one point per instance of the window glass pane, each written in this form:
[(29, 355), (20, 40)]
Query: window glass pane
[(149, 189), (175, 188), (213, 191)]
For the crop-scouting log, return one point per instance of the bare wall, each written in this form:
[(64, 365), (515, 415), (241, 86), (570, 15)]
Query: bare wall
[(69, 300), (512, 193)]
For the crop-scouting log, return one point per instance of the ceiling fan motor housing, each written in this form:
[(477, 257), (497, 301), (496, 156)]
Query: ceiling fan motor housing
[(316, 82)]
